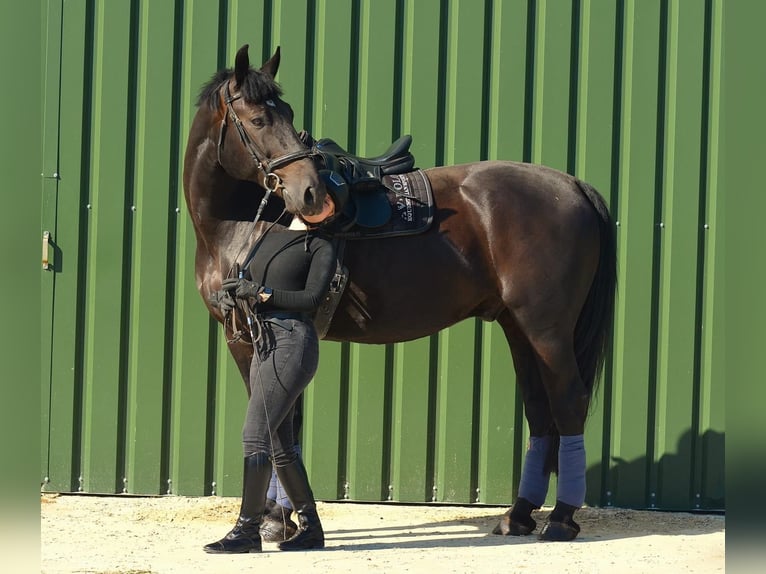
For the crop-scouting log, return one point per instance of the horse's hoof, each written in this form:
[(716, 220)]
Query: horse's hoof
[(560, 531), (510, 527), (273, 530)]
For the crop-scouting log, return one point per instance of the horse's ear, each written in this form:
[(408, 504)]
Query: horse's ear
[(241, 65), (270, 68)]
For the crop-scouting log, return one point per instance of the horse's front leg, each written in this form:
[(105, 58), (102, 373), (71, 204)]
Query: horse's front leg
[(243, 356)]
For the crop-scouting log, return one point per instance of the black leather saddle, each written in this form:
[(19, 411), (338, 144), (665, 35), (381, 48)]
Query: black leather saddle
[(396, 159), (356, 183), (364, 172)]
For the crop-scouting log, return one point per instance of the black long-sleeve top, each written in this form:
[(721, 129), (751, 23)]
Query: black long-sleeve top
[(296, 266)]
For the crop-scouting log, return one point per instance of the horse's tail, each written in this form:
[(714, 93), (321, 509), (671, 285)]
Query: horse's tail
[(591, 336), (594, 325)]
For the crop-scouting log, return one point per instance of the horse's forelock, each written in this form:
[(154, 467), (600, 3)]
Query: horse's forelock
[(257, 88)]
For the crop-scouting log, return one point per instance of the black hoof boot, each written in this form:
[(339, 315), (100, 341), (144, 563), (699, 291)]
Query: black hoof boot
[(309, 535), (277, 525), (243, 538), (561, 526), (518, 520)]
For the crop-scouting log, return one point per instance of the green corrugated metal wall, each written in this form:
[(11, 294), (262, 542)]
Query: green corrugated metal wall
[(139, 394)]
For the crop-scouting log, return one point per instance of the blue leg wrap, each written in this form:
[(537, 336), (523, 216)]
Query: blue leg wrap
[(534, 481), (571, 483)]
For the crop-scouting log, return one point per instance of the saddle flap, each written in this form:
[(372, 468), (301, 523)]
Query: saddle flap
[(401, 205), (370, 209)]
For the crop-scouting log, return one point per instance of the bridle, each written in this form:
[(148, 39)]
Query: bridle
[(271, 181)]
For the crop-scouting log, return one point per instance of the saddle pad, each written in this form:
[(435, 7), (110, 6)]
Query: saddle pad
[(412, 208)]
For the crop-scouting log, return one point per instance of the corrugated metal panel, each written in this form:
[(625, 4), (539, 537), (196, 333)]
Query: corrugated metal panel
[(23, 155), (143, 395)]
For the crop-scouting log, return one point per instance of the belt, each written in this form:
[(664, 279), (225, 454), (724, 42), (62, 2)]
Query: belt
[(282, 315)]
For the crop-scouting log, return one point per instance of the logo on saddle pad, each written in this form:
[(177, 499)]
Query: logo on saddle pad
[(404, 206)]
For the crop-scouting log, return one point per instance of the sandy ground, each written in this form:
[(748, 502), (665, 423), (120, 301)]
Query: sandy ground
[(165, 535)]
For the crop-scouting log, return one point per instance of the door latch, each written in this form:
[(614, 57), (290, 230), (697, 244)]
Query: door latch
[(46, 245)]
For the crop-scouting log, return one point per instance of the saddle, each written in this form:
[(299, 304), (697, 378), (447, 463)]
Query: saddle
[(361, 186), (359, 172)]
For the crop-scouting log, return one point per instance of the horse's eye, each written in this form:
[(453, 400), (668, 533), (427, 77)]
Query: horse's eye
[(258, 122)]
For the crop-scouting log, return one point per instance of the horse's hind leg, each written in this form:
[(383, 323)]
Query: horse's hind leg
[(556, 403), (533, 488), (568, 399)]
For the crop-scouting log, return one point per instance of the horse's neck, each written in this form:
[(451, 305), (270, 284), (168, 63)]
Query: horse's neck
[(222, 209), (208, 195)]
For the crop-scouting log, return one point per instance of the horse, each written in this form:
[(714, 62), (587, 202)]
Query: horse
[(522, 244)]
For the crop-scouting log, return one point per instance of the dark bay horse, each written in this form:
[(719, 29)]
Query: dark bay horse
[(524, 245)]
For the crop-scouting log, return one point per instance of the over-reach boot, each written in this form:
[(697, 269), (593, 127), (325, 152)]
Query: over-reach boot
[(277, 525), (296, 484), (245, 537)]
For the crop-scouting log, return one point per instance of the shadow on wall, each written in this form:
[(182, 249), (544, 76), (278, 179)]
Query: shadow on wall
[(692, 478)]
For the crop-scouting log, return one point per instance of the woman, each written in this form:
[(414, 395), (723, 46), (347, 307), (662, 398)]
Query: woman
[(288, 280)]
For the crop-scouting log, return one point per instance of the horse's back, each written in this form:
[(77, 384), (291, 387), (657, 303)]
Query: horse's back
[(496, 224), (507, 197), (500, 180)]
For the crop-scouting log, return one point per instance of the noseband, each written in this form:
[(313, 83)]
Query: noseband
[(271, 181)]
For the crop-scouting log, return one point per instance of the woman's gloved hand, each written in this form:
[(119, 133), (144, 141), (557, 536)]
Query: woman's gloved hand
[(242, 288), (222, 300)]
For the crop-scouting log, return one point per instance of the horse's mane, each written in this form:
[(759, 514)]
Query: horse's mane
[(257, 87)]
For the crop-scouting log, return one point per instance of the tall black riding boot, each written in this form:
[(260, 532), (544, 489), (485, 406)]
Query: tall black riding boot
[(296, 484), (245, 537)]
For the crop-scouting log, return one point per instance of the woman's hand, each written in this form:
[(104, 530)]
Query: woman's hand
[(222, 300), (242, 288)]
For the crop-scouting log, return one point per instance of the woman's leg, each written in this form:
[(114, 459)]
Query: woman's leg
[(278, 375), (293, 363)]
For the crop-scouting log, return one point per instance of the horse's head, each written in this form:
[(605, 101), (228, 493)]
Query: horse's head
[(257, 140)]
